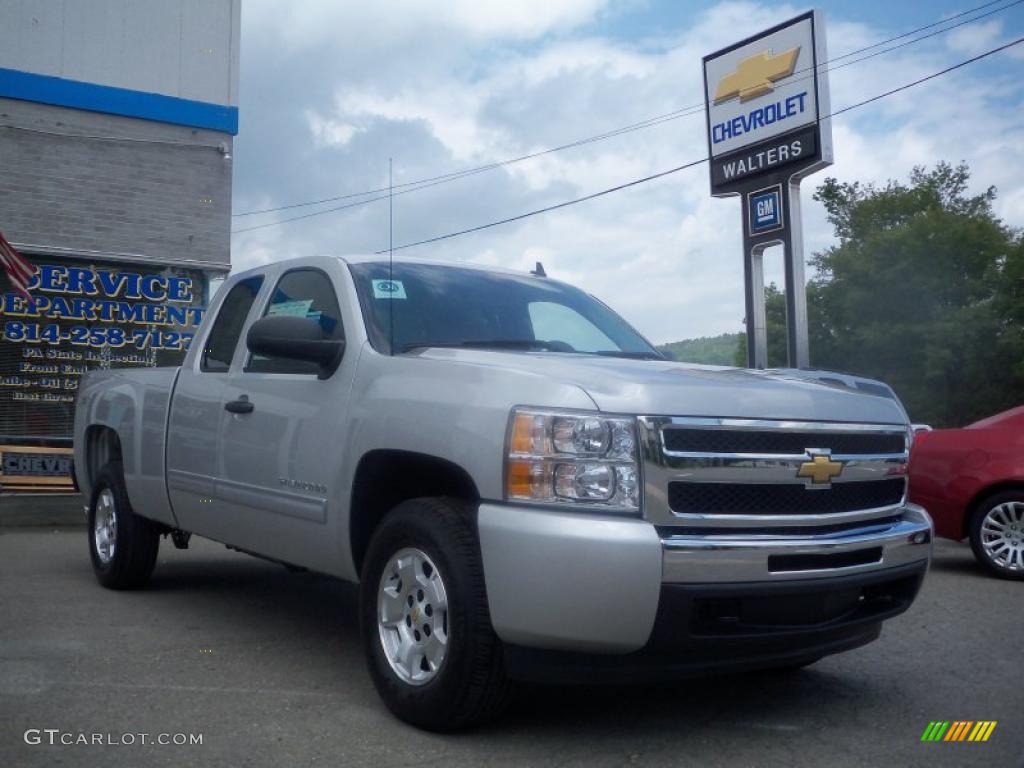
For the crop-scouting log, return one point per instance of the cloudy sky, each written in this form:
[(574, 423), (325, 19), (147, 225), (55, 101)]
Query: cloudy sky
[(330, 89)]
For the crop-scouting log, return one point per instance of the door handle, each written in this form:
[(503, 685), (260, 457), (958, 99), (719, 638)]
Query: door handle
[(241, 405)]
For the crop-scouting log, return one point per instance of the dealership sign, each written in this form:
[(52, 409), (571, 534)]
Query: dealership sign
[(78, 316), (767, 104), (768, 126)]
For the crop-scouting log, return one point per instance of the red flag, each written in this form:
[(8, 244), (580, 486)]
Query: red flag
[(17, 268)]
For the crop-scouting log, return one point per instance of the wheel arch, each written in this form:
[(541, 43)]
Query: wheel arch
[(385, 478), (976, 501), (102, 445)]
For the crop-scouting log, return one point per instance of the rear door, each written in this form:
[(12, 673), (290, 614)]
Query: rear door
[(278, 463), (196, 406)]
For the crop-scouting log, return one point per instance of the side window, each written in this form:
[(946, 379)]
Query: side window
[(301, 293), (223, 338), (557, 322)]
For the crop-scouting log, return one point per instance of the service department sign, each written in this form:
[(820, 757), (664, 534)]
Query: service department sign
[(767, 105)]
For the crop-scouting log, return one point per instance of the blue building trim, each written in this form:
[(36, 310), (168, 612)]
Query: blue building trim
[(59, 92)]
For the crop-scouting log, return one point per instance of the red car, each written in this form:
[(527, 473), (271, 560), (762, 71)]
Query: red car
[(971, 481)]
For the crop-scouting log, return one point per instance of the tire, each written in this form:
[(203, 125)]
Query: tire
[(123, 554), (997, 534), (452, 675)]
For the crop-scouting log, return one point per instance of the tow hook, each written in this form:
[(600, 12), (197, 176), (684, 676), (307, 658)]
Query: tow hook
[(180, 538)]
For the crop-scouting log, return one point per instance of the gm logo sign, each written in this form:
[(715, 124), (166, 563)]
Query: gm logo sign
[(764, 210)]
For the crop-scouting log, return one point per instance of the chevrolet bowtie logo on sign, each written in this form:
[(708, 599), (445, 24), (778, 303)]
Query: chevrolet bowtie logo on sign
[(767, 108), (820, 469), (958, 730), (755, 75)]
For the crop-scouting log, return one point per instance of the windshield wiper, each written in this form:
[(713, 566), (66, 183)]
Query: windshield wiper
[(551, 346), (630, 355)]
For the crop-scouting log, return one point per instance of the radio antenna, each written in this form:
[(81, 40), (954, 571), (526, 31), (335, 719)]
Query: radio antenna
[(391, 256)]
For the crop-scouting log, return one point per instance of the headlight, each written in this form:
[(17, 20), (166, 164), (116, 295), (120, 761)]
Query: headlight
[(581, 458)]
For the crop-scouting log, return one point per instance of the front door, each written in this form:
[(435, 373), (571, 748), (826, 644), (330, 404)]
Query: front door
[(278, 462)]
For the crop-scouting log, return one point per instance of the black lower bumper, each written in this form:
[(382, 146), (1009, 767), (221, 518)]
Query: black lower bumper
[(705, 629)]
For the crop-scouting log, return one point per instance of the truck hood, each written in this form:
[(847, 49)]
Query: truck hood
[(666, 388)]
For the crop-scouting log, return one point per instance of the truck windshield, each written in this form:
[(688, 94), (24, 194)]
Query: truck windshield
[(441, 306)]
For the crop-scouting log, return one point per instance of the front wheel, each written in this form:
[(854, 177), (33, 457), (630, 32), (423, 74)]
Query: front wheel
[(997, 534), (432, 653), (122, 545)]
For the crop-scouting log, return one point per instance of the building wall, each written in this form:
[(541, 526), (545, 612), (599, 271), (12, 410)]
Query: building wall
[(186, 49), (126, 193), (117, 120), (116, 126)]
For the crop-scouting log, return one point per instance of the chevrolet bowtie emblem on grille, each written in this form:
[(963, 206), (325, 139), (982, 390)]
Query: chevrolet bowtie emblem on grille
[(820, 469), (755, 74)]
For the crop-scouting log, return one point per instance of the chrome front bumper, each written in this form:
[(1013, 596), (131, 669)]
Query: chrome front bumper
[(738, 557), (566, 580)]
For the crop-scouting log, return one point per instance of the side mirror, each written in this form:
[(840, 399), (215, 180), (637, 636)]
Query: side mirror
[(295, 338)]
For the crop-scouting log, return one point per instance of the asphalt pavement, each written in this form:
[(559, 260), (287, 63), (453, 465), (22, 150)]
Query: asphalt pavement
[(265, 666)]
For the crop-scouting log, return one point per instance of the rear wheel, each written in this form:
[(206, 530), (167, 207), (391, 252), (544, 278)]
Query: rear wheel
[(997, 534), (433, 655), (122, 545)]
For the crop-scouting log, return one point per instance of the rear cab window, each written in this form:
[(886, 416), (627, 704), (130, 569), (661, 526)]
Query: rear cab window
[(227, 328)]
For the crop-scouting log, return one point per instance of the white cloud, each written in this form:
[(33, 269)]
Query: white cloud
[(336, 88), (974, 38), (449, 115), (327, 132), (361, 24)]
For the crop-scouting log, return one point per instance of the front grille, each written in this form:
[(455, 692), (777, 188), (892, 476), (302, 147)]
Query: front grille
[(683, 440), (782, 499), (704, 474)]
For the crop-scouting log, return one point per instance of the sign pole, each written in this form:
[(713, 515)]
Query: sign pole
[(756, 320), (797, 343)]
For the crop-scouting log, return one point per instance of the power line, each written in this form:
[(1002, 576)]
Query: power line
[(938, 23), (556, 206), (698, 108), (932, 76), (415, 186), (693, 163)]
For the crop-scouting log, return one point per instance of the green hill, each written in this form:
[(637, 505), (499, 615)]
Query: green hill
[(709, 350)]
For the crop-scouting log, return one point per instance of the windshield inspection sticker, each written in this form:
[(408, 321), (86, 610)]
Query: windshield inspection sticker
[(388, 289)]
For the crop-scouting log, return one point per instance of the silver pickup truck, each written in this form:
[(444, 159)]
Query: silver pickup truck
[(522, 485)]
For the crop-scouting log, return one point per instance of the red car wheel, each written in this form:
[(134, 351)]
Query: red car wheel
[(997, 534)]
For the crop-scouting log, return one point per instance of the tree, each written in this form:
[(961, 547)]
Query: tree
[(775, 326), (707, 350), (924, 290)]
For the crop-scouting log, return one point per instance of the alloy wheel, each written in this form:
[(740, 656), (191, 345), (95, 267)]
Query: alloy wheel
[(412, 616), (104, 527), (1002, 535)]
